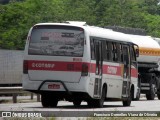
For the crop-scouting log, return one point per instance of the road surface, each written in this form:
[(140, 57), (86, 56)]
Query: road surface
[(67, 109)]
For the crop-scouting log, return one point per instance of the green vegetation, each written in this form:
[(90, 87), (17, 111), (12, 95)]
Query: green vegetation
[(123, 118), (30, 118), (17, 17)]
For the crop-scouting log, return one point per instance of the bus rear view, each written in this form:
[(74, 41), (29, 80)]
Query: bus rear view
[(78, 62), (53, 63)]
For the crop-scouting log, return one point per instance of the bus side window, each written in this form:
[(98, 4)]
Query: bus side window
[(118, 52), (92, 49), (114, 52), (121, 53), (133, 56), (109, 51), (106, 51)]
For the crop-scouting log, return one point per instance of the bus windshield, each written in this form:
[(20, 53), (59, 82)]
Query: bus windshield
[(56, 41)]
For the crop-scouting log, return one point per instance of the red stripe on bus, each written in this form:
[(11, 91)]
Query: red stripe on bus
[(134, 72), (107, 69), (76, 67), (55, 66), (112, 70)]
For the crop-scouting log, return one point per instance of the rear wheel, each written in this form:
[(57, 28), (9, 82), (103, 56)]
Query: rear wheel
[(77, 103), (48, 101), (98, 102), (152, 94)]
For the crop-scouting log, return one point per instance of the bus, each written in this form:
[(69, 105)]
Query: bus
[(76, 62)]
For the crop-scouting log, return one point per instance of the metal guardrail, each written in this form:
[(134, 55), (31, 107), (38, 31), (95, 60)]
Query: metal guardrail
[(8, 90), (15, 91)]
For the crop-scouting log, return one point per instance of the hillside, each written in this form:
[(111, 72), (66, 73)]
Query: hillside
[(17, 17)]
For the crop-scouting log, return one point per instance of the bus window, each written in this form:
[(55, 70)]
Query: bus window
[(121, 53), (92, 49), (114, 52), (118, 52), (106, 50), (57, 40), (133, 57), (110, 55)]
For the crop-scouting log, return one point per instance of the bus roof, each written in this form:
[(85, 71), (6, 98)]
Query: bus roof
[(107, 33), (95, 31)]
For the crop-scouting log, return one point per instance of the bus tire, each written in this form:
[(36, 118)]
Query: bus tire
[(44, 101), (48, 101), (77, 103), (127, 102), (151, 95), (99, 102)]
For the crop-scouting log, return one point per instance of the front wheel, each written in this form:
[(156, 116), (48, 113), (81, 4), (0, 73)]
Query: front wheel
[(151, 95), (127, 102)]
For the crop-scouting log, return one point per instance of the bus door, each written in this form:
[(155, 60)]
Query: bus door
[(98, 72), (126, 72)]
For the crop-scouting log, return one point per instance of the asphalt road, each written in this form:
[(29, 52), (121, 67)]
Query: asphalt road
[(67, 109)]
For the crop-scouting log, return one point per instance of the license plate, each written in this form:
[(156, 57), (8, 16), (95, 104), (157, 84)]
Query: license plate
[(54, 86)]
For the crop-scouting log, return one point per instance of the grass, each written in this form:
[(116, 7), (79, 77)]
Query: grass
[(4, 101), (90, 118), (18, 118), (123, 118), (158, 114)]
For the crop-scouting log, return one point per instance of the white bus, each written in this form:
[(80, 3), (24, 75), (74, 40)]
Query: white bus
[(77, 62)]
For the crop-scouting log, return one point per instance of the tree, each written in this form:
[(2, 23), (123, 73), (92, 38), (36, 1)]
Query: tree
[(79, 10), (153, 25), (16, 18)]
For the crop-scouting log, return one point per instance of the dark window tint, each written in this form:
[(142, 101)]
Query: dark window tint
[(57, 41)]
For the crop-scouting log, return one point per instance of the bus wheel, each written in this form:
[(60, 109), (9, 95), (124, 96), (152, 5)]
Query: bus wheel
[(77, 103), (99, 102), (127, 102), (151, 95), (48, 101)]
